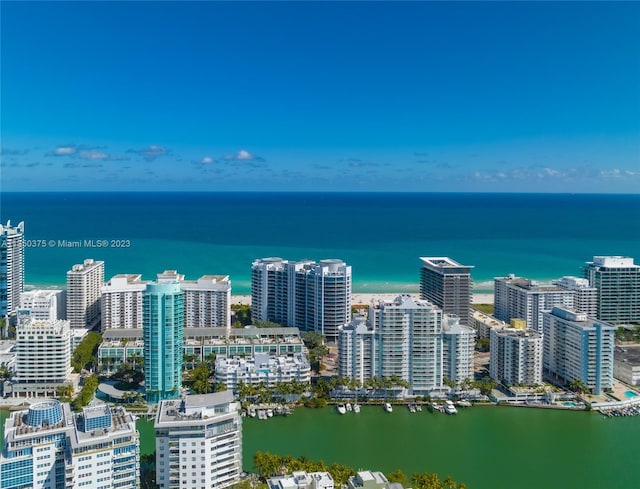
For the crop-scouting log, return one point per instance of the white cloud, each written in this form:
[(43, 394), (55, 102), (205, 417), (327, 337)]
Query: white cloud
[(207, 160), (243, 155), (94, 154), (64, 150)]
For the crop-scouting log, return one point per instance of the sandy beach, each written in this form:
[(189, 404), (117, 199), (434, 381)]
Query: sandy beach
[(366, 299)]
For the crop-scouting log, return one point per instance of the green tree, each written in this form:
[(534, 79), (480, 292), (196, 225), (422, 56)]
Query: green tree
[(398, 476), (200, 377), (84, 355)]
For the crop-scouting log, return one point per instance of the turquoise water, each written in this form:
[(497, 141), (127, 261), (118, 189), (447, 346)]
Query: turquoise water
[(569, 403), (381, 235), (630, 394)]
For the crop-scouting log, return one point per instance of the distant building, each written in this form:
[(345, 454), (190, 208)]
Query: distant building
[(84, 284), (47, 446), (198, 442), (585, 297), (11, 267), (122, 301), (162, 324), (578, 348), (458, 346), (484, 323), (617, 280), (262, 367), (307, 295), (43, 357), (302, 480), (448, 285), (521, 298), (44, 305), (516, 356), (207, 301)]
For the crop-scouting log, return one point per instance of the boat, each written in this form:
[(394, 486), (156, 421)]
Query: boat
[(418, 407), (262, 414), (412, 407), (464, 403), (342, 409), (388, 408), (449, 408), (348, 406), (270, 413), (356, 408), (252, 412)]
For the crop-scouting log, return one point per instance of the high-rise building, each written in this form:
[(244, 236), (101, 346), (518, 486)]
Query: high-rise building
[(585, 298), (44, 305), (11, 267), (198, 442), (43, 357), (577, 348), (84, 286), (516, 356), (617, 280), (207, 302), (163, 329), (521, 298), (458, 344), (357, 351), (408, 336), (122, 302), (262, 368), (48, 447), (448, 285), (308, 295)]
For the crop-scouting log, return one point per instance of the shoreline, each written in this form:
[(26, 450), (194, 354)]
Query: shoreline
[(358, 299)]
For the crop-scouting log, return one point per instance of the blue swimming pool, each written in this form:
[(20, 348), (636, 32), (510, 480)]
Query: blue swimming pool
[(569, 403), (630, 394)]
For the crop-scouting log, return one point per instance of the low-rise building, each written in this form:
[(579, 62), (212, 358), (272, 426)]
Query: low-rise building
[(262, 367), (626, 364), (302, 480), (198, 442), (366, 479), (483, 323)]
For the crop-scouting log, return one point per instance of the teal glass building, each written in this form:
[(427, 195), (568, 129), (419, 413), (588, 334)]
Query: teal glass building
[(162, 326)]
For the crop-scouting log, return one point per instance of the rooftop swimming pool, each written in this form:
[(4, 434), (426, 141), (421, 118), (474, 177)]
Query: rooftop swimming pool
[(630, 394)]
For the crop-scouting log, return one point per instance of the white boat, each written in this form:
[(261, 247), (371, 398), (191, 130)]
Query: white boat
[(464, 403), (270, 413), (388, 408), (418, 407), (348, 406), (342, 408), (412, 408), (356, 408), (449, 408)]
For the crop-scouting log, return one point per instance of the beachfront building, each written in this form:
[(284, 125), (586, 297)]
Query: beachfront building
[(356, 351), (458, 346), (516, 356), (617, 280), (408, 336), (44, 305), (84, 286), (49, 447), (198, 442), (207, 302), (121, 299), (578, 348), (484, 323), (307, 295), (199, 345), (448, 285), (302, 480), (43, 357), (585, 298), (162, 328), (521, 298), (262, 368), (11, 267)]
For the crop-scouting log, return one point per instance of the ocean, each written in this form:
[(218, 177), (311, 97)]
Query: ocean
[(381, 235)]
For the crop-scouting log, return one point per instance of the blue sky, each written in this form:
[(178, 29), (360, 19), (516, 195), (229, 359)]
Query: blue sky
[(318, 96)]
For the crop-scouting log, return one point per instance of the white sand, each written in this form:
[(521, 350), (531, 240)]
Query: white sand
[(366, 299)]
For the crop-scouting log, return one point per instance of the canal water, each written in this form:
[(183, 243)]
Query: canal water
[(484, 447)]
